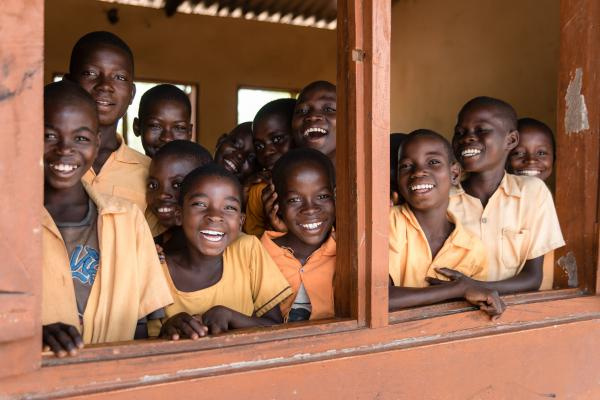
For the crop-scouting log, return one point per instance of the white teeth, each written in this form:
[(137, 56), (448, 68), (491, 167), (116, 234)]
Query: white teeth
[(312, 226), (528, 172), (212, 236), (470, 152), (421, 187), (103, 103), (318, 130), (230, 165), (64, 167), (165, 209)]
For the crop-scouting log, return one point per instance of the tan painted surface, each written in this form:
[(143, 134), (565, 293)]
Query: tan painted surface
[(219, 54), (446, 52)]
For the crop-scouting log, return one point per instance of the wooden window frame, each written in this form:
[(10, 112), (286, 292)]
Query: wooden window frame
[(361, 301)]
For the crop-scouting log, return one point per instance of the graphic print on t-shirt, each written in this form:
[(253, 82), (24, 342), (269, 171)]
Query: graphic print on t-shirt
[(84, 263)]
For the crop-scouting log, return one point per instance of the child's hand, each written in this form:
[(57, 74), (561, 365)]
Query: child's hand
[(217, 319), (451, 274), (487, 300), (62, 339), (270, 206), (183, 325), (161, 253), (255, 179)]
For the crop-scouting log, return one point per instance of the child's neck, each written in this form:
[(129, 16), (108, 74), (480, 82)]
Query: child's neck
[(434, 223), (191, 270), (483, 184), (300, 249), (66, 205), (108, 144)]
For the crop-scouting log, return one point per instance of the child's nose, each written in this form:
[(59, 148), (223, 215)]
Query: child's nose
[(64, 147), (166, 136), (104, 83)]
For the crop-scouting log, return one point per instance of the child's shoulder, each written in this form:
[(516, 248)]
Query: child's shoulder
[(243, 243), (526, 186), (133, 156)]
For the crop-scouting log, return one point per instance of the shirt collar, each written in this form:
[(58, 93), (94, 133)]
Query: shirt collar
[(508, 185), (328, 248), (125, 153)]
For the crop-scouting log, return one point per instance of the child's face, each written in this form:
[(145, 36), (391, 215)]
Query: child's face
[(211, 215), (307, 205), (236, 153), (71, 142), (533, 156), (106, 73), (272, 139), (164, 185), (164, 121), (425, 174), (314, 118), (481, 141)]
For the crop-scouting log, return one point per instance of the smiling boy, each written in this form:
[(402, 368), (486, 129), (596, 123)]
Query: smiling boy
[(235, 151), (534, 155), (102, 64), (513, 215), (424, 238), (218, 283), (164, 115), (100, 272), (304, 180)]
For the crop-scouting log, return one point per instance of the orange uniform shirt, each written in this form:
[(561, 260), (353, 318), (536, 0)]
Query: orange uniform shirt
[(255, 223), (124, 174), (410, 259), (129, 283), (519, 223), (316, 274)]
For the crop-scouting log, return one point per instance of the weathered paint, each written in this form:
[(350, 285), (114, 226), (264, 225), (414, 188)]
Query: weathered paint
[(569, 265), (576, 116)]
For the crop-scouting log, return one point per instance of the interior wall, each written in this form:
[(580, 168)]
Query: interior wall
[(446, 52), (218, 54)]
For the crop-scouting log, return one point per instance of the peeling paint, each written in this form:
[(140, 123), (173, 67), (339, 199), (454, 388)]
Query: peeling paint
[(569, 265), (576, 114)]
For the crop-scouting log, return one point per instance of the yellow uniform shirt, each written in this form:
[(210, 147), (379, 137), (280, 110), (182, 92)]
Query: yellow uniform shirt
[(128, 286), (256, 222), (410, 256), (518, 224), (251, 284), (316, 274), (124, 174)]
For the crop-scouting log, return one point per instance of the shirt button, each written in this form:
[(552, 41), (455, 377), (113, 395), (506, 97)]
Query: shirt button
[(483, 220), (301, 269)]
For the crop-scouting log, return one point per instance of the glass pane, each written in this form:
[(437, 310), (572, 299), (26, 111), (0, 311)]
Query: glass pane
[(251, 100)]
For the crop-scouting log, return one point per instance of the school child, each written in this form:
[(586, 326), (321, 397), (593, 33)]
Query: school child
[(425, 238), (101, 273), (314, 119), (218, 283), (513, 215), (304, 180), (171, 163), (534, 155), (102, 64), (235, 152), (272, 132), (313, 126), (164, 115)]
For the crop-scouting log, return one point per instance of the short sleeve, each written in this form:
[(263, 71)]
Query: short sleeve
[(546, 235), (269, 286), (153, 289), (397, 246)]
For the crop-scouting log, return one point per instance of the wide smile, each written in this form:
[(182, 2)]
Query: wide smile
[(165, 211), (230, 165), (528, 172), (314, 133), (469, 152), (311, 227), (421, 188), (63, 169), (212, 236)]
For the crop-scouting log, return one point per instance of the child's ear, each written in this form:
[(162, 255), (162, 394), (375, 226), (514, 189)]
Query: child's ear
[(178, 216), (455, 171), (512, 140), (136, 127), (242, 220), (132, 93)]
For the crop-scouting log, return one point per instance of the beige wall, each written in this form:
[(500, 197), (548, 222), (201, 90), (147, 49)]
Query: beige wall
[(219, 54), (446, 52)]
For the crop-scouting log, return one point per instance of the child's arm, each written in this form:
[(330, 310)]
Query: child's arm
[(221, 319), (487, 300), (529, 279), (62, 339)]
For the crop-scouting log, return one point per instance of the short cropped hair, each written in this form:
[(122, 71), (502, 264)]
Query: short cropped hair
[(208, 170), (282, 107), (185, 149), (295, 157), (164, 91), (67, 91), (503, 109), (539, 125), (97, 38), (419, 133), (316, 85)]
